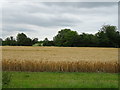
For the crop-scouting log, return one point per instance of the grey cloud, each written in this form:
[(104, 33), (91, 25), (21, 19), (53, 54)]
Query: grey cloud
[(54, 21), (12, 28), (53, 17), (69, 7), (42, 19), (54, 14), (81, 4)]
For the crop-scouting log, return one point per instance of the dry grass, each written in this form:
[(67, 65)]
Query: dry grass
[(65, 59)]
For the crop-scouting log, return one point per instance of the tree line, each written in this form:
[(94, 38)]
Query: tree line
[(21, 40), (107, 36)]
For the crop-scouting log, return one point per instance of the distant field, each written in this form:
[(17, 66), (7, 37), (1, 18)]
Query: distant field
[(67, 59), (60, 53)]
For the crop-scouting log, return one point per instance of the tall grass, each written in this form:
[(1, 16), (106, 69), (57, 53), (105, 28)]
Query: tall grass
[(60, 66), (6, 78)]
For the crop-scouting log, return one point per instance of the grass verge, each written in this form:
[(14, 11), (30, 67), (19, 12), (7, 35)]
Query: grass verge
[(62, 80)]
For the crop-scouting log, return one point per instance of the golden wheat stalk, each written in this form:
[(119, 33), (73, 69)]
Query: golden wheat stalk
[(59, 66)]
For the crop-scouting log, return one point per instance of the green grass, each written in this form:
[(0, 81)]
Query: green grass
[(63, 80)]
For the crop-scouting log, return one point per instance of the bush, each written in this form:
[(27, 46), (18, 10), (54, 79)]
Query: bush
[(6, 78)]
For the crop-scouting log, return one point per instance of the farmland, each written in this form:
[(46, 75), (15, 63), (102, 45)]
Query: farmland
[(60, 67), (55, 59), (60, 53)]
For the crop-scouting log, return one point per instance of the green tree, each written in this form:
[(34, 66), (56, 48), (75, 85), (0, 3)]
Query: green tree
[(9, 41), (35, 40), (46, 42), (108, 36), (12, 41), (88, 40), (23, 40), (66, 37), (1, 41)]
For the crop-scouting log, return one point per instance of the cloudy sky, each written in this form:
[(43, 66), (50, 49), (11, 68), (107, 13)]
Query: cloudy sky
[(45, 19)]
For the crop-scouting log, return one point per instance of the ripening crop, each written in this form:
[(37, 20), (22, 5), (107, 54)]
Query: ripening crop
[(60, 59)]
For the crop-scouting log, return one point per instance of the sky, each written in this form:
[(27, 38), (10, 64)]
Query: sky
[(45, 19)]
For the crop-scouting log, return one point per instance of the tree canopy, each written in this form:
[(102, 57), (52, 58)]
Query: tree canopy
[(21, 40), (66, 37), (107, 36)]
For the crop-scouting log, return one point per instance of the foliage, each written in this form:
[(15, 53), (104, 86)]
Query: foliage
[(6, 78), (9, 41), (1, 41), (21, 40), (66, 37), (46, 42), (35, 40), (87, 40), (107, 36)]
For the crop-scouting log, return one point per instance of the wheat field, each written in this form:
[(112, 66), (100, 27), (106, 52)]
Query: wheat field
[(63, 59)]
